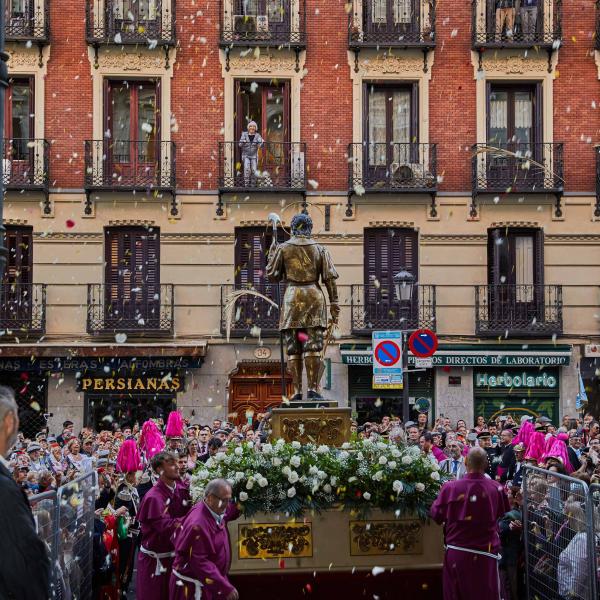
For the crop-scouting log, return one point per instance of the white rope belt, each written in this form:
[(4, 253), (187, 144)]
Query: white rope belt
[(481, 552), (197, 584), (159, 570)]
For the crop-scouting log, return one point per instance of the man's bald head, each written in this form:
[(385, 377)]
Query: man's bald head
[(477, 460)]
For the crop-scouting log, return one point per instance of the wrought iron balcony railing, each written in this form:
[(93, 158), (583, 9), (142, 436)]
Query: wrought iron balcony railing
[(395, 23), (263, 24), (278, 166), (129, 165), (518, 310), (25, 164), (517, 167), (145, 22), (23, 309), (27, 20), (252, 316), (395, 167), (517, 26), (375, 307), (143, 310)]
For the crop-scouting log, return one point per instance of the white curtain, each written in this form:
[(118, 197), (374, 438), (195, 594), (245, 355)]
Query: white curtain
[(250, 7), (523, 112), (379, 11), (524, 268), (402, 11), (377, 128), (401, 125), (498, 113)]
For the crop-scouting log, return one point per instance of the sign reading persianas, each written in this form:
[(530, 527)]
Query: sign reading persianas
[(139, 383)]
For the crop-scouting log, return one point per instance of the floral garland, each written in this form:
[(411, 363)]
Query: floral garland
[(292, 478)]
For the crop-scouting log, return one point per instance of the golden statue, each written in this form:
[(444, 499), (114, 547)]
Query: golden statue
[(301, 263)]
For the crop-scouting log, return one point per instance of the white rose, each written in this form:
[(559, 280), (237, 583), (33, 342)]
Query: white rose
[(293, 477), (435, 476), (296, 445), (291, 492), (395, 452), (392, 464), (263, 482), (239, 451), (381, 445), (435, 466), (344, 455), (243, 496), (345, 446), (406, 460), (295, 461), (367, 442), (360, 456), (280, 443), (276, 461), (333, 480), (378, 476), (367, 496), (250, 484), (382, 460), (321, 474), (313, 470), (204, 474), (239, 476), (420, 487), (327, 488), (267, 448), (397, 486), (286, 471), (250, 444), (322, 449), (351, 479)]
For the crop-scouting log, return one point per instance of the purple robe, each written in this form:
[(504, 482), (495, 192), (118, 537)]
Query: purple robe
[(203, 553), (470, 508), (161, 513)]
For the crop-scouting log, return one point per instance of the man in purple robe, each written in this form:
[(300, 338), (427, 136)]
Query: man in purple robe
[(202, 551), (161, 513), (470, 508)]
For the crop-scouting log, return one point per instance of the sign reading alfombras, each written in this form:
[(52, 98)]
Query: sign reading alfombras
[(141, 384)]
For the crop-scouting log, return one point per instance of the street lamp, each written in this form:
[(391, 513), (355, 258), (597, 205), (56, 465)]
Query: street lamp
[(404, 282)]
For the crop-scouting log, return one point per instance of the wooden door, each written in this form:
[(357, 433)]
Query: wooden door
[(16, 290), (132, 278), (19, 124)]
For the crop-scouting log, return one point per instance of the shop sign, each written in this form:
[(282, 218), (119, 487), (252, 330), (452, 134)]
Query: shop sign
[(517, 379), (153, 382)]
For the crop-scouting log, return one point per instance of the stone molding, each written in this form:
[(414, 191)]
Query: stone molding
[(404, 224), (528, 224), (514, 65), (131, 61), (269, 61), (390, 65), (15, 222), (21, 57), (132, 223)]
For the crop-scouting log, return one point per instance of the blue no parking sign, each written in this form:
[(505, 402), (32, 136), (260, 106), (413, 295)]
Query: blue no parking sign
[(387, 360)]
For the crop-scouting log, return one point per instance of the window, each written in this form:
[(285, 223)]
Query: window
[(262, 16), (19, 11), (400, 16), (515, 264), (16, 293), (514, 115), (391, 128), (19, 119), (132, 124), (131, 14), (132, 277)]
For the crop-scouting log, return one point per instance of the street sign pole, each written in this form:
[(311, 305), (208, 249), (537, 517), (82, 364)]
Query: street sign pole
[(405, 396)]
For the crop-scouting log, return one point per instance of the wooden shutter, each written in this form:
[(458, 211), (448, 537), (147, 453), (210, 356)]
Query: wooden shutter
[(538, 257), (250, 256), (19, 242), (494, 237)]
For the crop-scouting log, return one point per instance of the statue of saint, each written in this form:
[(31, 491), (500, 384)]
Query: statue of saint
[(303, 264)]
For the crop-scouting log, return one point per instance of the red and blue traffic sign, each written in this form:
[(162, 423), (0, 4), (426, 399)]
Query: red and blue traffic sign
[(387, 353), (423, 343)]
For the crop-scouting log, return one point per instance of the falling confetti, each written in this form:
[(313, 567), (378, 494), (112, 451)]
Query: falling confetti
[(70, 223), (121, 338)]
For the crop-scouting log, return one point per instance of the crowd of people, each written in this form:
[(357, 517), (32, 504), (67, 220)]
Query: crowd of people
[(131, 461)]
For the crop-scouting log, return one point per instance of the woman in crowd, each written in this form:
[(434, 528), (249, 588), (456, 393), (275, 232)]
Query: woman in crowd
[(192, 454), (74, 460)]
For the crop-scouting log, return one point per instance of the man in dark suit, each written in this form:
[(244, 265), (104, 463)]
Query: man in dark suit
[(24, 568)]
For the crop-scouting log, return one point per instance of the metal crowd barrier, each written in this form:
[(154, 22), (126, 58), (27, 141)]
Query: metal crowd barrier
[(560, 534), (65, 522)]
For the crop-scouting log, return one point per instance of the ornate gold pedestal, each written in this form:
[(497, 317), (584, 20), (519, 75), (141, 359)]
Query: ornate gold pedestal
[(329, 426)]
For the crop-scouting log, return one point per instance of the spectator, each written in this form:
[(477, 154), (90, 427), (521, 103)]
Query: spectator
[(511, 538), (413, 434), (455, 464), (573, 569), (203, 439)]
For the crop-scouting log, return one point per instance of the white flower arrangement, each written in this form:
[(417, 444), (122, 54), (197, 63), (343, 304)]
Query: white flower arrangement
[(360, 476)]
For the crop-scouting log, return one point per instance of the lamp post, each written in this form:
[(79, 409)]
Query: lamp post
[(3, 86), (404, 282)]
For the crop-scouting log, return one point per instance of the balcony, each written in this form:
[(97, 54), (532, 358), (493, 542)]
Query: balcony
[(539, 26), (27, 21), (23, 309), (518, 168), (392, 24), (123, 22), (253, 317), (396, 168), (375, 307), (518, 310), (25, 166), (142, 311), (125, 165), (267, 23)]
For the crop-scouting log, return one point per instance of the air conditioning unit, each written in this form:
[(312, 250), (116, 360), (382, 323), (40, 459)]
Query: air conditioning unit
[(244, 23)]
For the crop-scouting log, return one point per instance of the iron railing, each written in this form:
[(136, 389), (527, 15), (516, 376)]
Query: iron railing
[(395, 167), (518, 310), (148, 22), (27, 20), (282, 25), (252, 316), (142, 310), (279, 166), (25, 164), (23, 309), (539, 25), (129, 165), (375, 307), (517, 167), (397, 23)]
